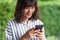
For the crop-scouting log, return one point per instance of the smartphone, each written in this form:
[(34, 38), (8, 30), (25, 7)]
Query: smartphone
[(39, 27)]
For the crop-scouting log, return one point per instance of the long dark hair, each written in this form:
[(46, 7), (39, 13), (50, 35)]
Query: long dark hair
[(21, 4)]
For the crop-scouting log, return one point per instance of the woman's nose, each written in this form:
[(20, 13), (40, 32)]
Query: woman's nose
[(29, 10)]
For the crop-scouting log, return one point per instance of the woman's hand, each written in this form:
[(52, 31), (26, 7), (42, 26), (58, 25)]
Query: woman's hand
[(33, 33), (29, 34), (41, 34)]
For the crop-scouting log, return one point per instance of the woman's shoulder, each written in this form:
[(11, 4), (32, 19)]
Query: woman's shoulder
[(11, 21), (38, 21)]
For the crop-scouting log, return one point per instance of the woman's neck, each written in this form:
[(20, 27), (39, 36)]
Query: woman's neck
[(25, 21)]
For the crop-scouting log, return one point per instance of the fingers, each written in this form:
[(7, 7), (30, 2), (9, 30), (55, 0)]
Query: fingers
[(40, 33), (32, 33), (31, 30), (37, 30)]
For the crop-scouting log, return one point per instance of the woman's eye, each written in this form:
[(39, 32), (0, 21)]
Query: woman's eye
[(32, 7), (26, 8)]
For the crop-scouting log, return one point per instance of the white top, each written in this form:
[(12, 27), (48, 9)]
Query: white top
[(14, 30)]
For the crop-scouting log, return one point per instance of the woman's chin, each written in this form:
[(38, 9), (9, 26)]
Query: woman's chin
[(28, 17)]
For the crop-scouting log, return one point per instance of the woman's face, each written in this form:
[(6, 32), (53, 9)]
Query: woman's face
[(28, 11)]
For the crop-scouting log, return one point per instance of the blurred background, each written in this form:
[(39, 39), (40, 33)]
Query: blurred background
[(49, 14)]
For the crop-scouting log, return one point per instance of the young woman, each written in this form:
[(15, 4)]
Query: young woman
[(22, 27)]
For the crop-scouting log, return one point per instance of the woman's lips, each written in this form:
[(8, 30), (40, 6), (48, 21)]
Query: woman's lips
[(28, 14)]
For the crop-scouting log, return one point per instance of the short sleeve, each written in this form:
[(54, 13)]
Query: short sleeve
[(40, 22), (8, 32)]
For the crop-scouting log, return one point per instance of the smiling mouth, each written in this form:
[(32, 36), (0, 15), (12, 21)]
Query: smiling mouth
[(28, 14)]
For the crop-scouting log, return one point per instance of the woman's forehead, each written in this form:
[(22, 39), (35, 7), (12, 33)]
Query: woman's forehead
[(30, 6)]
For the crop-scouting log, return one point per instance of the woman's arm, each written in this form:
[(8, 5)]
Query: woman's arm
[(8, 32), (23, 38)]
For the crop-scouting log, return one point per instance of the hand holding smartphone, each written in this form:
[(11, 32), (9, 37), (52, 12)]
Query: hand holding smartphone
[(39, 27)]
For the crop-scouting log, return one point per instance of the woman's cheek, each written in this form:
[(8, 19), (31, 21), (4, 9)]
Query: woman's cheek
[(26, 10)]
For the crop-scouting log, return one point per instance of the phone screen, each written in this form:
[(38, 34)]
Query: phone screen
[(39, 26)]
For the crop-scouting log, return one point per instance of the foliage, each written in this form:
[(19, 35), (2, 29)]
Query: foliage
[(50, 16)]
